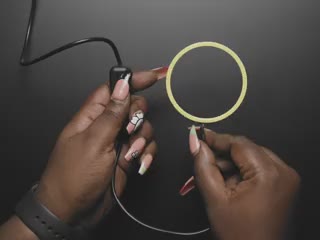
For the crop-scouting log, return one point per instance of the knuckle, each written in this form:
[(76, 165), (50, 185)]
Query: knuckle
[(273, 172), (141, 99), (229, 136), (240, 139), (154, 145), (295, 177), (146, 131), (269, 175), (141, 102), (148, 128), (113, 113)]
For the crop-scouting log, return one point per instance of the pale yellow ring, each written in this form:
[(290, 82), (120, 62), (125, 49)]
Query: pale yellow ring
[(243, 89)]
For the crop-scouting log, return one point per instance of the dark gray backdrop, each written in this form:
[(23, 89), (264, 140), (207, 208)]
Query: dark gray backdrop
[(277, 41)]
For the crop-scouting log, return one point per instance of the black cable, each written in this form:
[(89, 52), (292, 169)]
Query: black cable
[(25, 62)]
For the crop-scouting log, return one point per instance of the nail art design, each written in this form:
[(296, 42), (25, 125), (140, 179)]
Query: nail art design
[(135, 149), (187, 187), (145, 164), (135, 155), (135, 122), (121, 90), (194, 141), (161, 72)]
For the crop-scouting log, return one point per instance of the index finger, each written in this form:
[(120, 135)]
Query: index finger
[(249, 157), (98, 100), (145, 79)]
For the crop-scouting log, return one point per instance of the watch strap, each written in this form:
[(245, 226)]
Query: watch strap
[(44, 223)]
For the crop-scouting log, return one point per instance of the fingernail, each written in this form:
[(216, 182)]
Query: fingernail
[(196, 127), (121, 90), (135, 122), (187, 187), (194, 141), (161, 72), (135, 149), (145, 164)]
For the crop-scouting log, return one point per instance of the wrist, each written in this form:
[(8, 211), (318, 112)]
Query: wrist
[(246, 235), (53, 201), (44, 223), (14, 228), (23, 229)]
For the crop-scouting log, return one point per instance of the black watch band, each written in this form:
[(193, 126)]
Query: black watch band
[(44, 223)]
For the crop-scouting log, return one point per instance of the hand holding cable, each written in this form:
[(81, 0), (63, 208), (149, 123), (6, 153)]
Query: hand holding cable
[(78, 175)]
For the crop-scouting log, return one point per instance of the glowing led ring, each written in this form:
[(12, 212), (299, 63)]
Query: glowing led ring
[(243, 89)]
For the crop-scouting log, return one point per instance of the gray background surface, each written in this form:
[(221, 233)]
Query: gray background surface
[(278, 42)]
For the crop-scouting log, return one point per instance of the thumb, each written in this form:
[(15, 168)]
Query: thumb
[(207, 174), (107, 126)]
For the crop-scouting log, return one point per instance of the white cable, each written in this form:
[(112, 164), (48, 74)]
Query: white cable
[(113, 184)]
